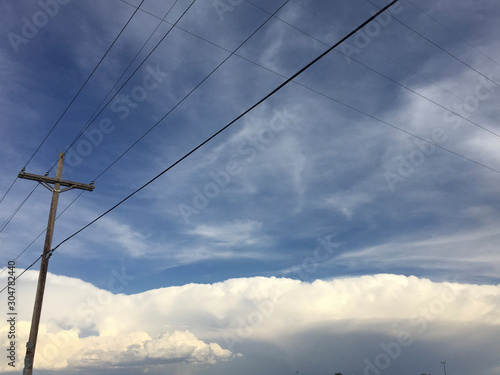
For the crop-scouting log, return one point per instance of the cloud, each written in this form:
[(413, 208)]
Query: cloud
[(228, 240), (138, 348), (448, 253), (348, 203), (66, 349), (86, 327), (124, 236), (232, 234)]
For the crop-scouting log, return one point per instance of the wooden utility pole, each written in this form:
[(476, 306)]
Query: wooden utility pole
[(47, 252)]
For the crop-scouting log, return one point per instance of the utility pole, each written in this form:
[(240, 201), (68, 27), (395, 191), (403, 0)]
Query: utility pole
[(47, 252)]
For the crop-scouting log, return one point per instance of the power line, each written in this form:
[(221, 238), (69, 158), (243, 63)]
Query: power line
[(439, 47), (385, 122), (400, 129), (7, 192), (43, 231), (256, 105), (436, 84), (9, 219), (26, 269)]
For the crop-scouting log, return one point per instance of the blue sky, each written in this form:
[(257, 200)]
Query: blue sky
[(359, 195)]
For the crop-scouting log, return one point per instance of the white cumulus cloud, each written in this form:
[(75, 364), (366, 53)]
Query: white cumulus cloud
[(84, 327)]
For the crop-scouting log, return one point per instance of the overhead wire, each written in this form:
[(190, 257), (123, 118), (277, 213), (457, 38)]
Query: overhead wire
[(43, 231), (187, 95), (463, 100), (24, 271), (9, 219), (240, 56), (261, 66), (402, 130), (8, 190)]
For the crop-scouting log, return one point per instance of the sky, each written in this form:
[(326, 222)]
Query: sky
[(345, 224)]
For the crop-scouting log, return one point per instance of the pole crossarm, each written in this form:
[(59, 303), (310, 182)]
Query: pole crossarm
[(44, 180)]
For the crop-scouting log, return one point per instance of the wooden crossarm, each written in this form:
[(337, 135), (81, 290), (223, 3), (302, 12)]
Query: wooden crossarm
[(53, 180)]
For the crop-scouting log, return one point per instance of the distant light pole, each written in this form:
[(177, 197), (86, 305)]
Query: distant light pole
[(444, 366)]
